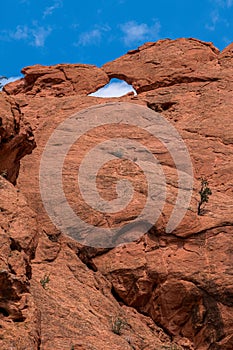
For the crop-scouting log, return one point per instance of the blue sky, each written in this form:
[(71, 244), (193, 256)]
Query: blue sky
[(95, 32)]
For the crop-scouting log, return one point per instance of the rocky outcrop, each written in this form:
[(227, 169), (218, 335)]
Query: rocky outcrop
[(19, 316), (164, 287), (179, 283), (49, 299), (16, 138), (59, 80), (164, 63)]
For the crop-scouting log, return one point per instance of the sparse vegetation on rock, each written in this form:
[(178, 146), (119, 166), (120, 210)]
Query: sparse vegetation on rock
[(44, 281), (117, 325), (204, 193), (167, 286)]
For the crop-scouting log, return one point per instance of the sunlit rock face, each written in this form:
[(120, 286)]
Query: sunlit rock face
[(169, 289)]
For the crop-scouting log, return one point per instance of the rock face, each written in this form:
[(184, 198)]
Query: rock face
[(198, 64), (59, 80), (164, 290), (19, 316), (16, 138)]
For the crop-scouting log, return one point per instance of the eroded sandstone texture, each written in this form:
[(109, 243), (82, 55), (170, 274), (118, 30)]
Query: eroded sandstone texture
[(16, 138), (167, 291)]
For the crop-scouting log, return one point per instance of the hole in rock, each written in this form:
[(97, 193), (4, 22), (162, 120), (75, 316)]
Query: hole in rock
[(4, 312), (115, 88), (116, 295), (15, 245), (19, 319)]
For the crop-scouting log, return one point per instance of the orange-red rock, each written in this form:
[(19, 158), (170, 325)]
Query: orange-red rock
[(181, 282), (19, 316), (16, 138), (59, 80), (166, 63)]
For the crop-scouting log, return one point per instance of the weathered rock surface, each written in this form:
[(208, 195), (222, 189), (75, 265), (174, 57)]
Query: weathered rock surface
[(16, 138), (165, 63), (49, 299), (59, 80), (181, 282), (19, 316)]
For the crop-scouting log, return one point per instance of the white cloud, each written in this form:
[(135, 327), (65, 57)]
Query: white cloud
[(39, 36), (21, 33), (4, 80), (135, 32), (50, 9), (114, 89), (93, 36), (34, 35)]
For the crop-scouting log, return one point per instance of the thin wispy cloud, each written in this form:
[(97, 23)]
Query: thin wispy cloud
[(224, 3), (21, 33), (114, 89), (50, 9), (214, 19), (92, 37), (134, 32), (34, 35), (40, 35)]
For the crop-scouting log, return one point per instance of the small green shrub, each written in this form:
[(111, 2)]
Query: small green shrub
[(117, 325), (44, 281), (204, 193)]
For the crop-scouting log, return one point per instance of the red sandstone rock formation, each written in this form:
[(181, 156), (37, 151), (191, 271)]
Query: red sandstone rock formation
[(167, 288), (16, 138), (59, 80)]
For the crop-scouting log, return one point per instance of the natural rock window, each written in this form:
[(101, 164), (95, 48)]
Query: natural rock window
[(115, 88)]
